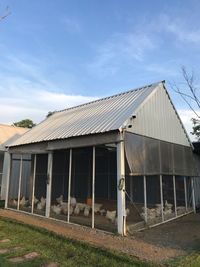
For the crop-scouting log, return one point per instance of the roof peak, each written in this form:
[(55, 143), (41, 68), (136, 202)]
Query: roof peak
[(108, 97)]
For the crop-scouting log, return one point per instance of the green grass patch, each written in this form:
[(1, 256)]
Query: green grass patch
[(54, 248)]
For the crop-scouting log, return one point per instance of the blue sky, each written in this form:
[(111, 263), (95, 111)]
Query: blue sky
[(59, 53)]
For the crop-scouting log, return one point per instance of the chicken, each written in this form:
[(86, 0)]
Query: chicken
[(43, 202), (81, 206), (168, 206), (87, 211), (102, 212), (39, 206), (23, 202), (59, 199), (97, 207), (35, 200), (56, 209), (77, 210), (73, 201), (110, 215), (14, 203)]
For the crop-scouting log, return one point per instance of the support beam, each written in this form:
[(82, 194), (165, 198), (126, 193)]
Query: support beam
[(185, 190), (34, 173), (161, 198), (20, 180), (174, 186), (8, 179), (121, 212), (145, 199), (93, 184), (69, 183), (49, 182), (193, 195)]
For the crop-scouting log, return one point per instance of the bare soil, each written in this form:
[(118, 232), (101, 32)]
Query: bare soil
[(157, 244)]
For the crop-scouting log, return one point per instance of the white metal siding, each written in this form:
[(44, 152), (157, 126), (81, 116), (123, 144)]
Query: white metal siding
[(157, 118)]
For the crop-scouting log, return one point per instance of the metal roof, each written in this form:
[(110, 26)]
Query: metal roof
[(9, 133), (99, 116)]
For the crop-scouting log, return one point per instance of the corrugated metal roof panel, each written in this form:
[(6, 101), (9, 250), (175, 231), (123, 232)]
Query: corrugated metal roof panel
[(9, 133), (99, 116)]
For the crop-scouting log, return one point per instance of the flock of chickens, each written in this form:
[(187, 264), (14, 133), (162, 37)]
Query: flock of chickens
[(75, 207)]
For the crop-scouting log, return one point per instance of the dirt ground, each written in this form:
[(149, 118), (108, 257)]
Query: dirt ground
[(157, 244)]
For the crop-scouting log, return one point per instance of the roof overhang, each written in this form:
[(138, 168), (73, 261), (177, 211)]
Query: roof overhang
[(73, 142)]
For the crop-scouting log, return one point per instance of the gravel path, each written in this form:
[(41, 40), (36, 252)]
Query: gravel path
[(134, 246)]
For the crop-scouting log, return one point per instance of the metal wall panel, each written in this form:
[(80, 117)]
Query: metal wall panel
[(157, 118)]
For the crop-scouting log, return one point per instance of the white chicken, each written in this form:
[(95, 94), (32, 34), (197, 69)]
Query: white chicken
[(73, 201), (43, 202), (81, 206), (77, 210), (87, 211), (110, 215), (56, 209), (59, 199), (97, 207), (23, 202), (102, 212), (14, 203), (35, 200)]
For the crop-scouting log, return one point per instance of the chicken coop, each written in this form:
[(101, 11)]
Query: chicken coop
[(114, 164)]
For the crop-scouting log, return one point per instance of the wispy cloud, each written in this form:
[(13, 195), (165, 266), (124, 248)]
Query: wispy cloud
[(118, 49), (26, 92), (186, 115), (178, 27), (71, 25)]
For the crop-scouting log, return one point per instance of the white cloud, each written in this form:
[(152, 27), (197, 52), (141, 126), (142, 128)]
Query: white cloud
[(26, 92), (71, 25), (186, 116), (119, 48), (178, 27), (36, 104)]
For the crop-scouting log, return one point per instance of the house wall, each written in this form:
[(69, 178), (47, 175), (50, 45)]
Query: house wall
[(157, 118)]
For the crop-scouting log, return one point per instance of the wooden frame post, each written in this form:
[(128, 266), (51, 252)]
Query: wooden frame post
[(34, 173), (145, 199), (193, 195), (49, 183), (69, 184), (8, 179), (185, 190), (174, 187), (121, 212), (161, 198), (93, 184), (20, 180)]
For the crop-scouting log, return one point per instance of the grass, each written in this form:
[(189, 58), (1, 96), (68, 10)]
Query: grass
[(191, 260), (53, 248)]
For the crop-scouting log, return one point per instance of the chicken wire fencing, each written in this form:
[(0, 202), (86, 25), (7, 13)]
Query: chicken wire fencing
[(83, 185), (159, 179)]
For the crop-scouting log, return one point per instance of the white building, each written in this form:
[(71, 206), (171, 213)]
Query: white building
[(111, 164)]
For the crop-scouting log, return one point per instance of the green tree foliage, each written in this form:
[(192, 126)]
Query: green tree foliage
[(26, 123), (50, 113)]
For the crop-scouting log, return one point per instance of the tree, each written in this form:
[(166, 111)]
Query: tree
[(50, 113), (26, 123), (190, 93)]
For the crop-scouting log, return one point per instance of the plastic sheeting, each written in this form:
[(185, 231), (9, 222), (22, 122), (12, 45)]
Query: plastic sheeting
[(148, 156)]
